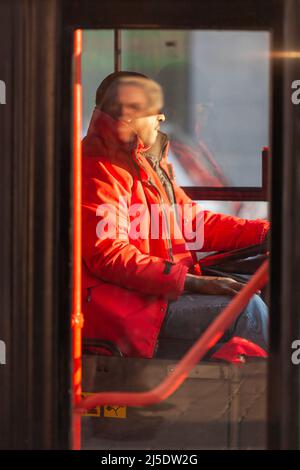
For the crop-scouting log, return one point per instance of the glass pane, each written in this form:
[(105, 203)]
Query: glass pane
[(141, 314), (245, 209), (97, 63), (216, 87)]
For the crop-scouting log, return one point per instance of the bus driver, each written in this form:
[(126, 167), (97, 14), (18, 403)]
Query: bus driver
[(142, 285)]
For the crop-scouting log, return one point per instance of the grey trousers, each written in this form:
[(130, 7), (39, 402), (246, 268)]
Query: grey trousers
[(189, 316)]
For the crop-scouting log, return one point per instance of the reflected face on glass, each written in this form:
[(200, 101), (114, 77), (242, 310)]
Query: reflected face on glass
[(135, 116)]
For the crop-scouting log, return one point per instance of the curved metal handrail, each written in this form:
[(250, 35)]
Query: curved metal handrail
[(208, 339)]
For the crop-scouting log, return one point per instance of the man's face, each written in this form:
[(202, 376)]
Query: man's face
[(135, 116)]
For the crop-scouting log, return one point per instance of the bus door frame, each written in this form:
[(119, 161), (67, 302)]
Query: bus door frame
[(283, 419)]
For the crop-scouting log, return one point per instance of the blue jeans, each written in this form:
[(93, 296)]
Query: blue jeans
[(189, 316)]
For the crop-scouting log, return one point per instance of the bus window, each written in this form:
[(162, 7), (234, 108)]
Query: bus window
[(141, 294), (97, 63), (216, 92), (245, 209)]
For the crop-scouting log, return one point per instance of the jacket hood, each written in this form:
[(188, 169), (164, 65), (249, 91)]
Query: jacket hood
[(102, 137)]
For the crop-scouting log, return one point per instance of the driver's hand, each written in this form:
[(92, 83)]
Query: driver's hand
[(211, 285)]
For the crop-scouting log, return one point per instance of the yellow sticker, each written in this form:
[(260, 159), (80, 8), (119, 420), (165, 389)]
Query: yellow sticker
[(93, 411), (115, 411)]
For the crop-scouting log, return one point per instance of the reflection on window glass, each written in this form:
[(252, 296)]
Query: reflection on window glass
[(144, 301), (216, 86), (97, 63), (243, 209)]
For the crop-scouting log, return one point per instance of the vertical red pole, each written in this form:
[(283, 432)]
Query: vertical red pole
[(77, 317)]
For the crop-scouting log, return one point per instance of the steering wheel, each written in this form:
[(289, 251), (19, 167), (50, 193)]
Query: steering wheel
[(244, 261)]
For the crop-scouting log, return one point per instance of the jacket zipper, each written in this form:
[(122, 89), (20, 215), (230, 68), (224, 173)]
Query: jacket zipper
[(166, 220), (170, 181), (174, 198), (170, 249)]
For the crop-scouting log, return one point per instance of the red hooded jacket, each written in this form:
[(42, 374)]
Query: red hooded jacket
[(128, 280)]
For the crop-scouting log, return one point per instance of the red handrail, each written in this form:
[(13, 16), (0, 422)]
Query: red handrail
[(209, 338), (77, 317)]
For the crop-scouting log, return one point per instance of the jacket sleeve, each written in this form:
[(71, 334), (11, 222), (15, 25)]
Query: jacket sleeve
[(108, 254), (225, 232)]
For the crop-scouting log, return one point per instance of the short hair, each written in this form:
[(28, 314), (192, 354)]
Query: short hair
[(108, 93), (109, 80)]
